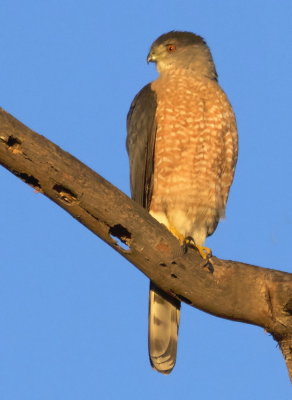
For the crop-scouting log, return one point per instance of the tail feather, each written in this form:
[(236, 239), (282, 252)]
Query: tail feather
[(164, 313)]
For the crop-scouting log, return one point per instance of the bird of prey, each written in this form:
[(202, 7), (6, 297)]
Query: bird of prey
[(182, 146)]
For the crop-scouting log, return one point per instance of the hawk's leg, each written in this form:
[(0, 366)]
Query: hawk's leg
[(189, 241), (175, 233)]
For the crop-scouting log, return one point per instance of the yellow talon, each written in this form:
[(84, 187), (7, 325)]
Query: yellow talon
[(188, 241), (205, 252)]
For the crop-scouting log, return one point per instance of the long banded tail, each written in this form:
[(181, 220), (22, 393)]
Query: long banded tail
[(164, 314)]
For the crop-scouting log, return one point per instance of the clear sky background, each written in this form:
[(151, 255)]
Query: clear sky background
[(73, 313)]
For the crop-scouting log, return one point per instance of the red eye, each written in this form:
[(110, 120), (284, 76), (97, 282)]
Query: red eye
[(171, 48)]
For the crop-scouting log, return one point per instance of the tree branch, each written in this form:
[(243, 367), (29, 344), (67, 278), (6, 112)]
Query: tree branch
[(227, 289)]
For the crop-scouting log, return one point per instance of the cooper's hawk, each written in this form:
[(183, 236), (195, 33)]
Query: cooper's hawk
[(182, 145)]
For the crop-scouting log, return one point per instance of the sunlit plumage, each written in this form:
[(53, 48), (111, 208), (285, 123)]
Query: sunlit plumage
[(182, 145)]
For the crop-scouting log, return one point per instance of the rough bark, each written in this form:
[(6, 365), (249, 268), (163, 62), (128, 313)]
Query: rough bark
[(227, 289)]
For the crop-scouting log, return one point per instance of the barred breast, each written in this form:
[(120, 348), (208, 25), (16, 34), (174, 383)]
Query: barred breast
[(195, 153)]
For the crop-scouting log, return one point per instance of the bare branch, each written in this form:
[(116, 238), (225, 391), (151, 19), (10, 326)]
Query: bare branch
[(227, 289)]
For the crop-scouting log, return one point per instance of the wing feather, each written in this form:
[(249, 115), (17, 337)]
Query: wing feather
[(141, 127), (163, 310)]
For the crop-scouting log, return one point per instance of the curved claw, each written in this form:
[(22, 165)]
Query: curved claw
[(205, 252)]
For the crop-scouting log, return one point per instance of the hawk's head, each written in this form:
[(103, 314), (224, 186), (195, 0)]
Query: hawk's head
[(182, 50)]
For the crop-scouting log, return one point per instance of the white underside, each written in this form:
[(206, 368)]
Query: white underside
[(183, 224)]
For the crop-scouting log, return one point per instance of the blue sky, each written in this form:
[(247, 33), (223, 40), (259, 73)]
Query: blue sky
[(73, 313)]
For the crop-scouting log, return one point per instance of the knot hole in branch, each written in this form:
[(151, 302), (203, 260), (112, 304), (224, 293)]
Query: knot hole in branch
[(30, 180), (123, 235), (65, 194), (14, 145)]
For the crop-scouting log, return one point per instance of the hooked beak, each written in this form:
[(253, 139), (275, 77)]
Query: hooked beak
[(151, 57)]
